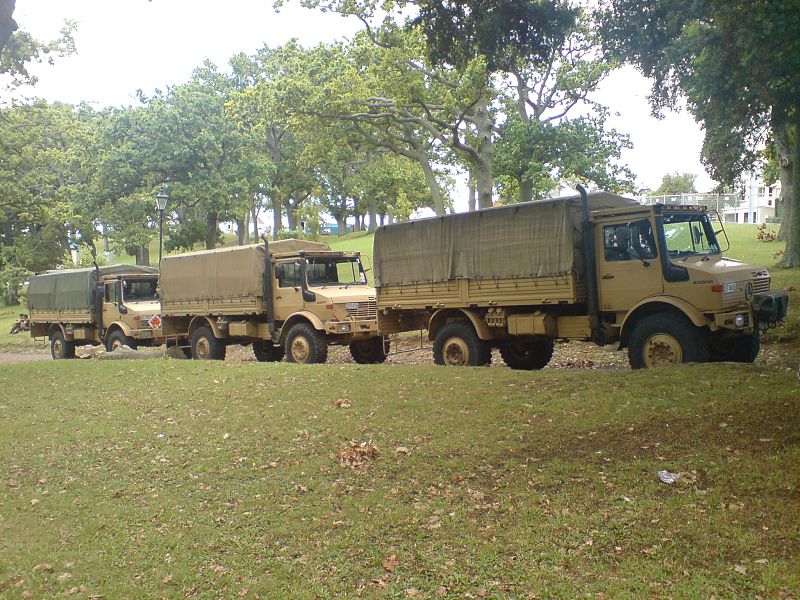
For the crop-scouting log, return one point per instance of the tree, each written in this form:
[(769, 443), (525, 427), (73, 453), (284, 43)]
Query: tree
[(675, 184), (737, 63)]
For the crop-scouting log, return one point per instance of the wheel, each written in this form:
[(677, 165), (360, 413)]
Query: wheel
[(205, 346), (266, 351), (666, 339), (305, 345), (741, 349), (457, 345), (117, 340), (371, 351), (60, 348), (528, 355)]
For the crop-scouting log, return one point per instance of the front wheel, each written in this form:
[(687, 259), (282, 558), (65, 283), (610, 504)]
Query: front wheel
[(305, 345), (741, 349), (371, 351), (457, 345), (266, 351), (527, 355), (666, 339), (118, 340), (60, 348), (207, 347)]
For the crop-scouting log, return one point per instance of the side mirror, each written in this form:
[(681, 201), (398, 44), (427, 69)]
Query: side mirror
[(123, 310)]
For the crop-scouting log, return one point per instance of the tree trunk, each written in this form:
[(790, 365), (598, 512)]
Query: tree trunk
[(785, 165), (145, 254), (372, 210), (254, 217), (471, 196), (341, 224), (525, 189), (437, 204), (7, 23), (212, 229), (290, 215), (241, 231), (484, 161), (277, 217), (791, 210)]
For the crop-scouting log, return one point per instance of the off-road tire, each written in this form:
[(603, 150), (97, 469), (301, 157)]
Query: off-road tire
[(527, 355), (457, 344), (305, 345), (266, 351), (205, 346), (372, 351), (742, 349), (60, 348), (118, 339), (663, 339)]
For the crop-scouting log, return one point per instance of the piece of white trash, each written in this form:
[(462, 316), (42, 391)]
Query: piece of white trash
[(667, 477)]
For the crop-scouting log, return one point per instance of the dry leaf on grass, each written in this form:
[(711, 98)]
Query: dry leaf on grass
[(391, 563), (342, 403), (358, 454)]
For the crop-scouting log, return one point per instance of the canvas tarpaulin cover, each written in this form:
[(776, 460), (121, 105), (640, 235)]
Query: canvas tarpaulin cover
[(534, 239), (72, 289), (235, 272)]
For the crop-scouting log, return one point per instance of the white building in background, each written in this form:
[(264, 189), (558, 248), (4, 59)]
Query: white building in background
[(755, 202)]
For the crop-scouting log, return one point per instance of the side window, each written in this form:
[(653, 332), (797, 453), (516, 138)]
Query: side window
[(632, 241), (288, 274), (111, 293)]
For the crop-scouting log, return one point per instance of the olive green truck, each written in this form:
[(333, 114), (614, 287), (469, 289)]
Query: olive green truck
[(594, 267), (289, 297), (115, 306)]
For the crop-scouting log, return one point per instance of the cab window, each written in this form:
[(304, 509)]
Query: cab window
[(288, 274), (111, 293), (632, 241)]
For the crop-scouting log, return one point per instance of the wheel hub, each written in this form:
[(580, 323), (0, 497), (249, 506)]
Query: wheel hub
[(456, 352), (300, 349), (58, 348), (202, 349), (662, 349)]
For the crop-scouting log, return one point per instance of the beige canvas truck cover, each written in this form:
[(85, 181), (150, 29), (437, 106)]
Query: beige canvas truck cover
[(73, 289), (234, 272), (532, 239)]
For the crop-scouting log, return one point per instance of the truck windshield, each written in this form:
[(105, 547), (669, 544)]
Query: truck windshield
[(139, 290), (689, 234), (335, 271)]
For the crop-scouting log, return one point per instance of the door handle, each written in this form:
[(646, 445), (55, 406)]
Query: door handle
[(607, 276)]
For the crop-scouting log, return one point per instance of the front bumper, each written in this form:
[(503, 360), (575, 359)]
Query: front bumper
[(352, 328)]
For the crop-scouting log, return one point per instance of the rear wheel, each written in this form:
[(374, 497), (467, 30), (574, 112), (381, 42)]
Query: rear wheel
[(205, 346), (117, 340), (266, 351), (741, 349), (527, 355), (305, 345), (666, 339), (457, 345), (371, 351), (60, 348)]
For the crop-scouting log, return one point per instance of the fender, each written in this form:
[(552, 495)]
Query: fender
[(441, 316), (119, 325), (302, 315), (200, 321), (648, 306)]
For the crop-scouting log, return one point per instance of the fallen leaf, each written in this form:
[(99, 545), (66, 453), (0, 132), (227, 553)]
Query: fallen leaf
[(401, 450), (740, 569), (44, 567), (390, 563)]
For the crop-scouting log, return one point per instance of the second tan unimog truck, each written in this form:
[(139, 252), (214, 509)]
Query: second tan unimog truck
[(594, 267), (289, 297), (115, 306)]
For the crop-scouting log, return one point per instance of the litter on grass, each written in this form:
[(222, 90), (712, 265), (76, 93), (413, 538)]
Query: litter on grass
[(667, 477)]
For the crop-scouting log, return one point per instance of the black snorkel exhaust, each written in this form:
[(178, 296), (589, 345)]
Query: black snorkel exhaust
[(590, 258)]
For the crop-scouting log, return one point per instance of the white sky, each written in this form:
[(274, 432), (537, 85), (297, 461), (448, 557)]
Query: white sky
[(126, 45)]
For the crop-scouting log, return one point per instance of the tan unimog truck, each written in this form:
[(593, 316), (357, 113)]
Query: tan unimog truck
[(113, 305), (289, 297), (596, 268)]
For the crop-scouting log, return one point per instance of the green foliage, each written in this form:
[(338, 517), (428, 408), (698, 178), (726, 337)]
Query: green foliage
[(22, 50), (675, 183)]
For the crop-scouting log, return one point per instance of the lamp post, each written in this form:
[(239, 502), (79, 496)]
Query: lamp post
[(161, 205)]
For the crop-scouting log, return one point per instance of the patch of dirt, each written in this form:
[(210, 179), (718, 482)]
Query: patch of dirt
[(18, 357)]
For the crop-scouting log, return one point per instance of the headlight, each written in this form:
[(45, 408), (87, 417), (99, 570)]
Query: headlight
[(344, 327), (739, 321)]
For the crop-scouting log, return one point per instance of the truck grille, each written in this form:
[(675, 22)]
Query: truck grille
[(760, 281), (363, 310)]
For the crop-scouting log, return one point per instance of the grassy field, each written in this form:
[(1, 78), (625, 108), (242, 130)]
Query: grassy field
[(181, 479)]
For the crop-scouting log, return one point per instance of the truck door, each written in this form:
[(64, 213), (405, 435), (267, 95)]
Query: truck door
[(287, 286), (111, 298), (628, 269)]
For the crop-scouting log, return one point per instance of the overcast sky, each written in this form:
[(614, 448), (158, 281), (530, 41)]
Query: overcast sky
[(126, 45)]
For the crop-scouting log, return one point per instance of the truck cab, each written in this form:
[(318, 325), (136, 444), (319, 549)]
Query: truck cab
[(129, 305), (666, 292)]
